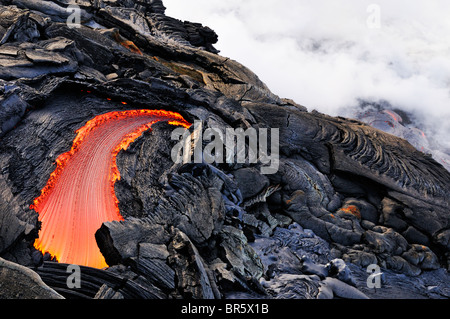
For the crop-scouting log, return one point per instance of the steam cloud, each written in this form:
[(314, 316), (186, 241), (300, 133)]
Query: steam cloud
[(324, 55)]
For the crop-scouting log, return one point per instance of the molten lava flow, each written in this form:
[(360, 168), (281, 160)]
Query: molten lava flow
[(352, 209), (125, 43), (393, 115), (79, 195)]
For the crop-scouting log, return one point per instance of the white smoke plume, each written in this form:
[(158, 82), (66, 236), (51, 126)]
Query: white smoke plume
[(331, 55)]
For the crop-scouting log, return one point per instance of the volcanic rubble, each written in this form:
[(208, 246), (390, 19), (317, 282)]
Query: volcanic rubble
[(346, 195)]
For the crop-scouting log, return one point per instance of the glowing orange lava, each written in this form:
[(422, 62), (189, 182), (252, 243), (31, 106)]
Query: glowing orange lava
[(79, 195), (392, 115), (352, 209)]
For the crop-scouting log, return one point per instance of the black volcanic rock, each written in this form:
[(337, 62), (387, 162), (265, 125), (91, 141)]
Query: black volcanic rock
[(19, 282), (190, 268), (346, 195)]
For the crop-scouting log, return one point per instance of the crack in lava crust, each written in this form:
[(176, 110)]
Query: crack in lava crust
[(79, 195)]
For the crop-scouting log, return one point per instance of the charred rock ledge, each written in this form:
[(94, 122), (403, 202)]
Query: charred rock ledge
[(346, 195)]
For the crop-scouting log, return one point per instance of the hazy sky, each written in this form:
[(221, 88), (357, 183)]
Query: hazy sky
[(327, 54)]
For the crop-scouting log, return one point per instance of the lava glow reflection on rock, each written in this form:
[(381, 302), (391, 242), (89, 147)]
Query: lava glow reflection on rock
[(79, 195)]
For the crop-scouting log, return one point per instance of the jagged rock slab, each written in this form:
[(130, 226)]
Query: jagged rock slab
[(121, 240), (192, 274), (19, 282), (152, 263)]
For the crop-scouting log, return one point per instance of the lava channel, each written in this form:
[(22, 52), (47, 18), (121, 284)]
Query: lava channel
[(79, 195)]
